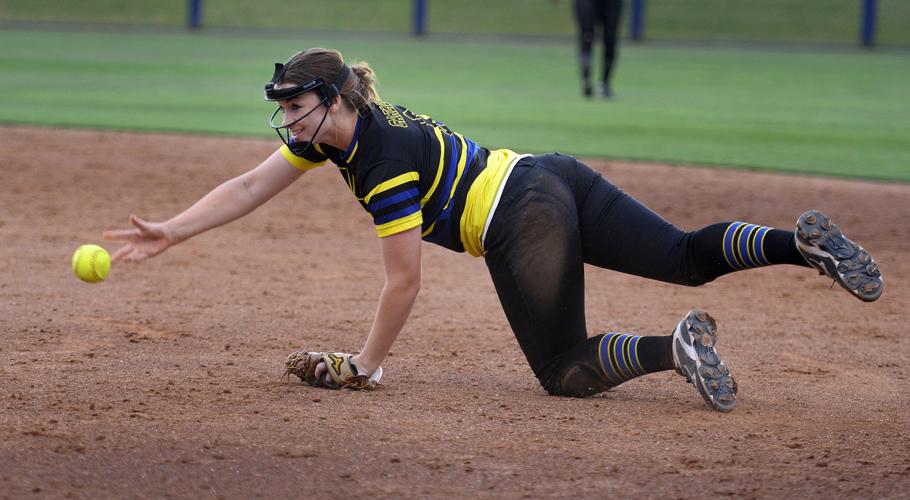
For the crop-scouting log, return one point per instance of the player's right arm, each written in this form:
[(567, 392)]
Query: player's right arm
[(229, 201)]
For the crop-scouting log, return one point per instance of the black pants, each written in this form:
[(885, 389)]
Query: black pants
[(591, 14), (555, 215)]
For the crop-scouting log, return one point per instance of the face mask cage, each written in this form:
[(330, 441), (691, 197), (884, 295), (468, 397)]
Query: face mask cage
[(327, 93), (276, 121)]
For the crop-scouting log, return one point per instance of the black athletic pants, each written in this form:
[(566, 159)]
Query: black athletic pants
[(589, 14), (557, 214)]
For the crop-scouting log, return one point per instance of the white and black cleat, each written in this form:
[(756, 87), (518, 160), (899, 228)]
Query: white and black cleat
[(695, 357), (826, 249)]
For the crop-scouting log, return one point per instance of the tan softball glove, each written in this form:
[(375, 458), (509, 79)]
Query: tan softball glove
[(343, 373)]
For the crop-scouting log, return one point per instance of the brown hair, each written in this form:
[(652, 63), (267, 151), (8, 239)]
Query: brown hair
[(359, 90)]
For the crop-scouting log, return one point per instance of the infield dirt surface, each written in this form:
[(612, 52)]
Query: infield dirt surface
[(165, 380)]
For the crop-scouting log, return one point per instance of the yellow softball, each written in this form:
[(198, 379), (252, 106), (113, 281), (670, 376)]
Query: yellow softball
[(91, 263)]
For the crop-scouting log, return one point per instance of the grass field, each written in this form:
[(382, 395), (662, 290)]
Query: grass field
[(830, 21), (839, 113)]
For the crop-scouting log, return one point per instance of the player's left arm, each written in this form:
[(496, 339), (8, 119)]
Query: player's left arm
[(402, 259)]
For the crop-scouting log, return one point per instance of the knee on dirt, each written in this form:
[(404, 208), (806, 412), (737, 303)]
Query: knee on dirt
[(575, 380)]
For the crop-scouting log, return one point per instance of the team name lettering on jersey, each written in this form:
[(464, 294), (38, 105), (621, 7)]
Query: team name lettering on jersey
[(391, 114), (427, 121)]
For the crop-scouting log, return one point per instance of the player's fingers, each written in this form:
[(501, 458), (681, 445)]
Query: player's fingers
[(141, 224), (135, 254), (120, 253), (119, 234)]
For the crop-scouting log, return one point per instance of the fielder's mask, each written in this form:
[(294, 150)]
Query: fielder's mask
[(327, 94)]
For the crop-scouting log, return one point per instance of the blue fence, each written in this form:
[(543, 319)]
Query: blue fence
[(868, 17)]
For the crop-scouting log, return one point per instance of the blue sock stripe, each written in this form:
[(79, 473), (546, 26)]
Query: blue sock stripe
[(759, 245), (605, 364), (610, 361), (619, 357), (616, 357), (728, 245), (629, 356), (623, 354), (619, 354), (743, 245)]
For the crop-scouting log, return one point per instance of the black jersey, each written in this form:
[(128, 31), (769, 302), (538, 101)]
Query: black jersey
[(408, 170)]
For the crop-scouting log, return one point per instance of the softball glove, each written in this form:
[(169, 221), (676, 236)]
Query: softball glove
[(343, 373)]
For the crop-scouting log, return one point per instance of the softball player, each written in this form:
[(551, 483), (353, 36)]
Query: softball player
[(536, 220)]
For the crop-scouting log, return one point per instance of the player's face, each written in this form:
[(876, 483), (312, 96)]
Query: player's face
[(303, 113)]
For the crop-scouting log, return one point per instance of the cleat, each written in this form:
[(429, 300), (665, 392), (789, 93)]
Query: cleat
[(830, 252), (694, 357), (587, 91)]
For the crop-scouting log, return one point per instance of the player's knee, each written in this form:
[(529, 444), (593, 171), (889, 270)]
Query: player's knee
[(575, 380)]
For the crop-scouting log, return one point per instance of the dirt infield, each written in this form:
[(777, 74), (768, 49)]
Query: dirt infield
[(164, 381)]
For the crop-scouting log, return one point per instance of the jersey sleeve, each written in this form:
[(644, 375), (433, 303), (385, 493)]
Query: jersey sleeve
[(394, 202), (312, 159)]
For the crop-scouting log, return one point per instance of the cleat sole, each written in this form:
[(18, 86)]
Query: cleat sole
[(695, 357), (830, 252)]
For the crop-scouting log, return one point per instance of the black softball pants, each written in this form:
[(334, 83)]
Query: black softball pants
[(589, 14), (555, 215)]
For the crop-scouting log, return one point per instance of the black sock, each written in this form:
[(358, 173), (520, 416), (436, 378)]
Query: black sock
[(656, 353), (780, 248)]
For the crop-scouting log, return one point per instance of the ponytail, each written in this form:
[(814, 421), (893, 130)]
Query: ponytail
[(358, 90)]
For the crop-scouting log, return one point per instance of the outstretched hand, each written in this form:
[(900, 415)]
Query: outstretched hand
[(145, 240)]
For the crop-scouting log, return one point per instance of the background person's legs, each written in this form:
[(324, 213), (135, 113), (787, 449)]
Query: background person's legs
[(585, 19), (611, 11)]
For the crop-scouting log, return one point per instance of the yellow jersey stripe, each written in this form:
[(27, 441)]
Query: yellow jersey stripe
[(391, 183), (442, 158), (298, 162), (400, 225), (354, 152), (461, 161)]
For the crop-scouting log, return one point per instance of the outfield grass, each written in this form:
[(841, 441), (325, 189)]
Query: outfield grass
[(831, 21), (843, 113)]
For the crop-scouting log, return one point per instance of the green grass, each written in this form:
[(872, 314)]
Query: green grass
[(835, 113), (834, 21)]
